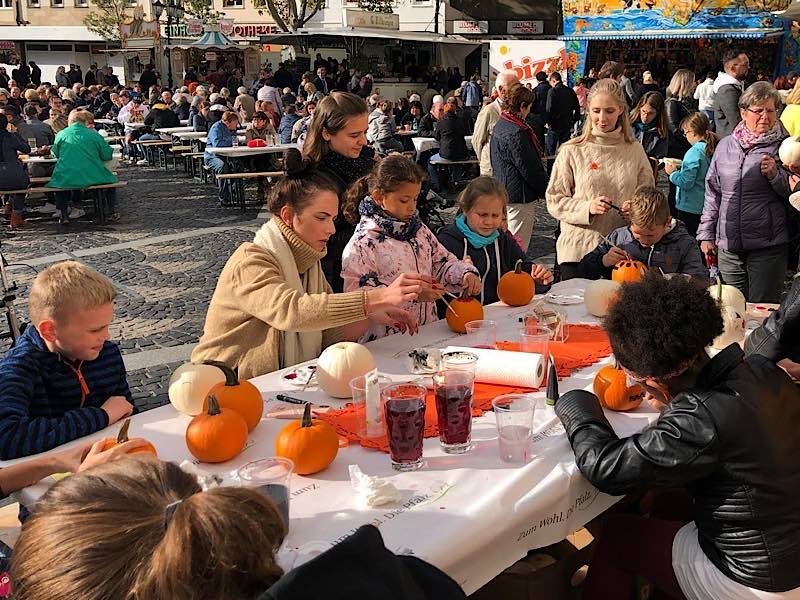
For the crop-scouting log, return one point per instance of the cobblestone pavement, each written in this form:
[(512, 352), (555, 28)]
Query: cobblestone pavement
[(164, 257)]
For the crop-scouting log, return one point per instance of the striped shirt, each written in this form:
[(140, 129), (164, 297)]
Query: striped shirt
[(44, 403)]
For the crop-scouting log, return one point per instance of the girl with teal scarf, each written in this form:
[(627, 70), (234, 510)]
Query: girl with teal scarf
[(479, 234)]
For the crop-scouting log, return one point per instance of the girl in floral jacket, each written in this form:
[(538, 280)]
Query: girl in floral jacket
[(390, 239)]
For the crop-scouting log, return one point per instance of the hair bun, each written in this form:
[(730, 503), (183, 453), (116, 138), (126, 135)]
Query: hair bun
[(295, 166)]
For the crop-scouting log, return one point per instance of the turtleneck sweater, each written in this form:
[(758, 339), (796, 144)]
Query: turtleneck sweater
[(606, 164)]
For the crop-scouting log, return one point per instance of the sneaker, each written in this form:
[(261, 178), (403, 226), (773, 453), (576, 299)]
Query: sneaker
[(47, 209), (142, 163), (63, 220), (76, 213)]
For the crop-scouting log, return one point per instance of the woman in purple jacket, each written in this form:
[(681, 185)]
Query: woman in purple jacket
[(745, 215)]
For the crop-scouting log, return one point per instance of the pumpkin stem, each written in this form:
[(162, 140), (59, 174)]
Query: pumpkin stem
[(306, 421), (518, 266), (213, 405), (719, 290), (122, 436), (230, 375)]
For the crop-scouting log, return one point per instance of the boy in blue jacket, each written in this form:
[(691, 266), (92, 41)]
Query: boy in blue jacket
[(653, 238), (63, 379), (289, 118)]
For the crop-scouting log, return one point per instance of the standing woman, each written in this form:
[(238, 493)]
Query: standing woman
[(337, 143), (594, 175), (679, 105), (649, 121), (745, 219), (12, 172), (515, 153)]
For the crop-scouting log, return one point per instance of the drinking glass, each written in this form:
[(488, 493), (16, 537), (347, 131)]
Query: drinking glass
[(453, 391), (370, 418), (536, 339), (404, 412), (458, 361), (515, 416), (270, 476), (481, 334)]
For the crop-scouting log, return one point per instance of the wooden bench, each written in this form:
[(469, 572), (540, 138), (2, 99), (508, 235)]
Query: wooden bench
[(443, 163), (175, 152), (99, 205), (154, 151), (237, 183), (189, 160)]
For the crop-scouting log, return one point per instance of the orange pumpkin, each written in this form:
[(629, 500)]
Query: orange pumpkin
[(516, 287), (461, 311), (241, 396), (628, 270), (216, 435), (311, 444), (612, 389), (122, 437)]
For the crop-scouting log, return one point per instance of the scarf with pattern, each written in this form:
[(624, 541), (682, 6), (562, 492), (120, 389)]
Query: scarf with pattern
[(405, 231)]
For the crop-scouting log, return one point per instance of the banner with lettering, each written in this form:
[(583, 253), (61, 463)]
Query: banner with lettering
[(527, 57)]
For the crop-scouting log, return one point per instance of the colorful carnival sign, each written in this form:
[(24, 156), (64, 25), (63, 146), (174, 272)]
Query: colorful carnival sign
[(527, 57)]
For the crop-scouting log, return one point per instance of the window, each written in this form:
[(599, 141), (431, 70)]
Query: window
[(37, 47), (57, 3), (6, 3), (34, 4), (82, 48), (61, 48), (232, 3), (82, 3)]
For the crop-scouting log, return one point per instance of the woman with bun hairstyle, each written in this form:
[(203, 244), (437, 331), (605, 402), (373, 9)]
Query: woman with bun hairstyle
[(594, 175), (272, 307), (336, 143)]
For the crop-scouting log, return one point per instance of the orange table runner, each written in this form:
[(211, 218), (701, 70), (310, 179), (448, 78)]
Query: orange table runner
[(585, 345)]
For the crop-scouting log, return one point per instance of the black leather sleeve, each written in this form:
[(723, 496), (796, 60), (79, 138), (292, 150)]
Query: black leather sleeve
[(779, 336), (678, 448)]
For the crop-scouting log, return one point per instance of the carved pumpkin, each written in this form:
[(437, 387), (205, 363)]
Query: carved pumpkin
[(728, 295), (628, 270), (189, 386), (339, 363), (733, 325), (599, 295), (216, 435), (516, 288), (612, 389), (122, 437), (241, 396), (311, 444), (461, 311)]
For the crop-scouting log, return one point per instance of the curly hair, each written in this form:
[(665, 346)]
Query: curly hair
[(658, 324)]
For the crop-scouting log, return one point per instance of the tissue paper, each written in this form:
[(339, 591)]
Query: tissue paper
[(374, 491)]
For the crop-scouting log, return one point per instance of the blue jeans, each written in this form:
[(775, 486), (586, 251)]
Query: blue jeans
[(216, 164), (710, 114), (149, 137), (64, 198)]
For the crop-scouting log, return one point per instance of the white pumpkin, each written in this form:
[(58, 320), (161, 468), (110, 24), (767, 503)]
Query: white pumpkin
[(728, 295), (340, 363), (733, 329), (190, 384), (598, 296)]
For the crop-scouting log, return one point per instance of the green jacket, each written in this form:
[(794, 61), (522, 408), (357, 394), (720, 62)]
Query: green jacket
[(80, 152)]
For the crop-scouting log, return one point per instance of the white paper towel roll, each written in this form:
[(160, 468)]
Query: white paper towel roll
[(504, 367)]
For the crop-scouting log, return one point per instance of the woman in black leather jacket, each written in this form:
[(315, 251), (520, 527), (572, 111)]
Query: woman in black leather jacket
[(778, 338), (728, 434)]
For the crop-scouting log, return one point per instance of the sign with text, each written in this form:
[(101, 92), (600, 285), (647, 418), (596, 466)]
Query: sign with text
[(471, 27), (362, 18), (525, 27), (527, 58)]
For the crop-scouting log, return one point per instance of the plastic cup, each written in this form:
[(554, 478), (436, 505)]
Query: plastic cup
[(515, 416), (374, 426), (404, 412), (270, 476), (481, 334), (453, 391), (536, 339), (458, 361)]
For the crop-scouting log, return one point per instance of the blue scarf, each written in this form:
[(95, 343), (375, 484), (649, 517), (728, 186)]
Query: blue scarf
[(405, 231), (475, 240)]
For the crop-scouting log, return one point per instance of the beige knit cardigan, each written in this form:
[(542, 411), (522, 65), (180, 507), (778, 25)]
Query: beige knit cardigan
[(605, 165)]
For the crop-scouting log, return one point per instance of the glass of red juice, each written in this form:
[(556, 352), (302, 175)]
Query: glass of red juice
[(404, 413), (453, 392)]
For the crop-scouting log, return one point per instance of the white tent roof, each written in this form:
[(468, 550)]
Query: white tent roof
[(363, 32)]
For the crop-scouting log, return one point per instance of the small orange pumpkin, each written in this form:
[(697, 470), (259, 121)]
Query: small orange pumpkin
[(461, 311), (516, 288), (612, 389), (122, 437), (311, 444), (628, 270), (216, 435), (241, 396)]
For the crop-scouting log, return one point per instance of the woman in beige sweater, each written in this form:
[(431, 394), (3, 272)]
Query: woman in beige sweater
[(272, 307), (594, 176)]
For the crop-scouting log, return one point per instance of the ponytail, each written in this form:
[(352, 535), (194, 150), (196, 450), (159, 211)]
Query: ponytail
[(712, 139), (352, 198)]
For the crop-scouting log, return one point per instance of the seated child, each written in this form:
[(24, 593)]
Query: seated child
[(480, 234), (653, 237), (63, 379), (390, 239)]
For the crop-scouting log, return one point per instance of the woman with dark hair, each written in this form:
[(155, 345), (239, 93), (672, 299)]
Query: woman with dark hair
[(272, 307), (337, 143), (727, 433), (649, 121), (12, 172)]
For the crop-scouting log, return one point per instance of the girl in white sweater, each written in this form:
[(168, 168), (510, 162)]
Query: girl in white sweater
[(594, 175)]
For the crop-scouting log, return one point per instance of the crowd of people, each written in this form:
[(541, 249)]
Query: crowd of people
[(346, 256)]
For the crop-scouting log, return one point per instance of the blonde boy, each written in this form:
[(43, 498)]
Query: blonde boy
[(63, 379)]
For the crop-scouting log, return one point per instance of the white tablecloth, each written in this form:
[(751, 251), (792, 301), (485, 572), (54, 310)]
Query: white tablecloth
[(174, 130), (470, 515), (421, 144), (240, 151)]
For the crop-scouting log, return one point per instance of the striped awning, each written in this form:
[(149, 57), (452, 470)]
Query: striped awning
[(214, 39), (653, 34)]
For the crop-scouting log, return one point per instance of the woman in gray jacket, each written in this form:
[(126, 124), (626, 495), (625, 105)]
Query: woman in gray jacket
[(745, 215)]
